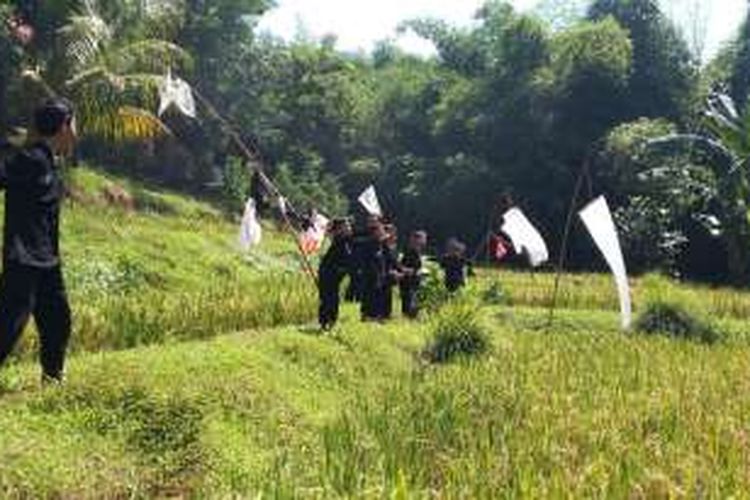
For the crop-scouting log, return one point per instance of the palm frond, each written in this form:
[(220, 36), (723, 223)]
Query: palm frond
[(135, 123), (692, 143), (84, 37), (116, 107), (123, 124), (149, 56)]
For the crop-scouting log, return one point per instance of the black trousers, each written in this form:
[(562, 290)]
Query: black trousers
[(377, 303), (409, 302), (330, 298), (27, 291), (374, 300), (386, 307)]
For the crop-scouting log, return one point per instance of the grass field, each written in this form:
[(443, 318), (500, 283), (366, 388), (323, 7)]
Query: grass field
[(199, 373), (578, 411)]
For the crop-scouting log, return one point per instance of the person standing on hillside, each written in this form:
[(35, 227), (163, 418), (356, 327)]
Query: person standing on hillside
[(455, 265), (373, 260), (411, 265), (32, 280), (334, 266)]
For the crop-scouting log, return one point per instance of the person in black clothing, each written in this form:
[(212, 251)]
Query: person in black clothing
[(392, 271), (259, 193), (32, 280), (411, 266), (334, 266), (360, 245), (455, 265), (373, 259)]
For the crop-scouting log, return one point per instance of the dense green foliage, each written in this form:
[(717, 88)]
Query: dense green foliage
[(517, 103)]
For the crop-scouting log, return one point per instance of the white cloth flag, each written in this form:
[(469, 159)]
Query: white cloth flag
[(369, 200), (598, 220), (250, 229), (177, 92), (312, 239), (525, 237)]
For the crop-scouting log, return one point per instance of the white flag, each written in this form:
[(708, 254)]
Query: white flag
[(250, 229), (311, 240), (369, 200), (598, 220), (177, 92), (525, 237), (283, 206)]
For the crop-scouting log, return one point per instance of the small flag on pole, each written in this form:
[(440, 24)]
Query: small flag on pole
[(497, 248), (250, 229), (369, 200), (525, 237), (176, 92), (312, 239), (598, 220)]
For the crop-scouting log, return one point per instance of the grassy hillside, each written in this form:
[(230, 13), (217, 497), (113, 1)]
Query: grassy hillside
[(199, 372), (169, 270), (581, 410)]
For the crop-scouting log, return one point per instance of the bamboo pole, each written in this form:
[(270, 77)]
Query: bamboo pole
[(566, 236), (254, 157)]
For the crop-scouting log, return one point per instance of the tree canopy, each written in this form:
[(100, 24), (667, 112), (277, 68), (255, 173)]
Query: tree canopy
[(514, 104)]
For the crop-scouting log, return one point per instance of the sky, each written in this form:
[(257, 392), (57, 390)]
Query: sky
[(359, 24)]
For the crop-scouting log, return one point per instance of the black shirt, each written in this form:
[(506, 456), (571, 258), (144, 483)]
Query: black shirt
[(337, 261), (375, 261), (34, 192), (455, 271), (411, 261)]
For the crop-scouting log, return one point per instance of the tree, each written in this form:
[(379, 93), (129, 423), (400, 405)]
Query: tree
[(663, 72), (110, 70), (724, 149), (739, 81)]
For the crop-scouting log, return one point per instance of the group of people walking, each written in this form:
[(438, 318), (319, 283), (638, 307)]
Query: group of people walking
[(32, 280), (370, 259)]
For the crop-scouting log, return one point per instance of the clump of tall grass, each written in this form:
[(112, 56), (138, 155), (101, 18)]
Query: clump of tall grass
[(458, 332), (432, 294), (674, 320)]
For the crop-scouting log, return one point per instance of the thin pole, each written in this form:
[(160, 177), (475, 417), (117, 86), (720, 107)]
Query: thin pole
[(253, 156), (566, 235)]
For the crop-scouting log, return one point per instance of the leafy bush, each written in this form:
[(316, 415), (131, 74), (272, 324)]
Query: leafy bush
[(432, 294), (458, 332), (674, 320)]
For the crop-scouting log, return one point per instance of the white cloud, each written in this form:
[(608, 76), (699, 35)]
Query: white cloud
[(359, 24)]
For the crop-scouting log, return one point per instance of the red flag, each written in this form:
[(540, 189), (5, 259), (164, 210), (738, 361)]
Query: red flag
[(498, 248)]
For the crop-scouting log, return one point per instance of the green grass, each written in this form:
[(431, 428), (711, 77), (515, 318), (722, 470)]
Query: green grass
[(197, 372), (171, 273), (577, 412)]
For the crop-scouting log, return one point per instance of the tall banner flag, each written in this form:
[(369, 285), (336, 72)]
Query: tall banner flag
[(250, 229), (369, 200), (525, 237), (598, 220)]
